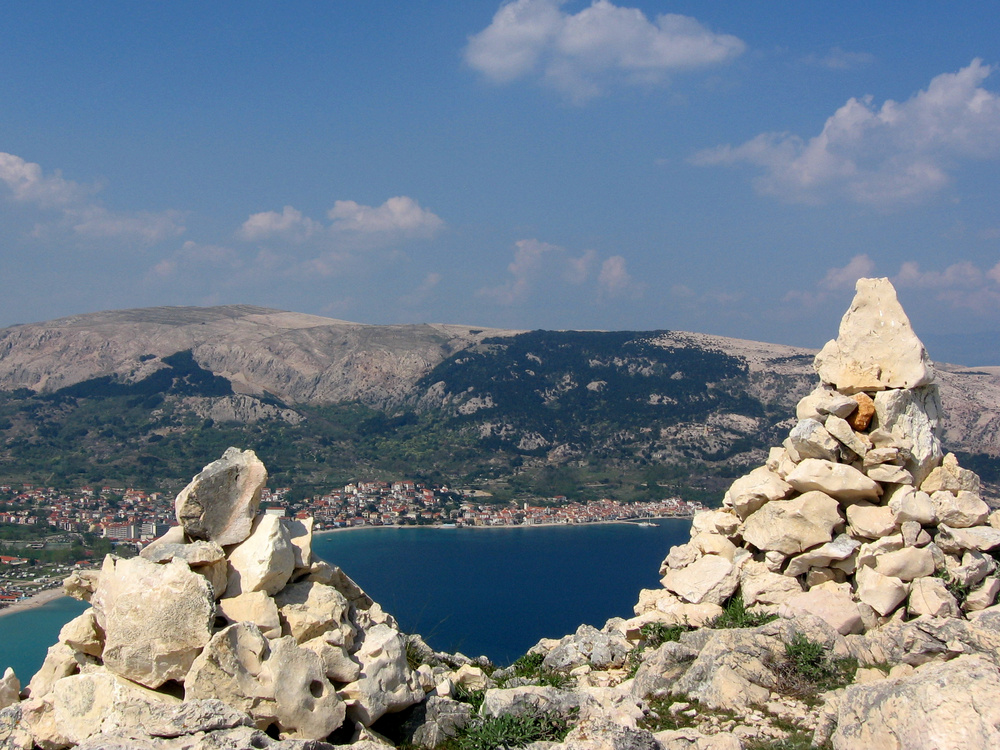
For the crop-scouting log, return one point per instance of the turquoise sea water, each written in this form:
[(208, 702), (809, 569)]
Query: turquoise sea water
[(478, 591)]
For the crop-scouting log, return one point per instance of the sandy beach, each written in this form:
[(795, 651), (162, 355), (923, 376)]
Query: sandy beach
[(43, 597)]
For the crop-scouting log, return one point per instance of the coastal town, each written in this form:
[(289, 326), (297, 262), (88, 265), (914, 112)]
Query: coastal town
[(50, 532)]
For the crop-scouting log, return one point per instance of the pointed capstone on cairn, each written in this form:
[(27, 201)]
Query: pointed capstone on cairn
[(858, 517)]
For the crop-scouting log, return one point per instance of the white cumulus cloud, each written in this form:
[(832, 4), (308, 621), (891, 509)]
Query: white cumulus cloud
[(397, 215), (289, 224), (27, 182), (899, 152), (580, 53), (614, 279)]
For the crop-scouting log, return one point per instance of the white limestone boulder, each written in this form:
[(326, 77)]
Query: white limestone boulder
[(961, 509), (912, 505), (748, 493), (758, 585), (793, 526), (155, 618), (230, 669), (83, 634), (846, 436), (956, 541), (10, 688), (881, 593), (662, 606), (809, 439), (256, 607), (982, 596), (841, 481), (839, 549), (721, 522), (221, 502), (338, 665), (306, 704), (940, 705), (876, 347), (906, 564), (386, 684), (710, 579), (206, 558), (300, 534), (950, 476), (930, 596), (871, 521), (264, 561), (913, 416), (308, 610)]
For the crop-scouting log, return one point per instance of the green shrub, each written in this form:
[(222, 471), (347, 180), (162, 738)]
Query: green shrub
[(474, 698), (509, 730), (529, 667), (655, 634), (807, 669), (735, 615)]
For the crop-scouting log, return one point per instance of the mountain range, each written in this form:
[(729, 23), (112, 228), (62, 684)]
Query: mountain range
[(141, 396)]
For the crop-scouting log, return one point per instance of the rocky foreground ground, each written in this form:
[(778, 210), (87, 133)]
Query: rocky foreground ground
[(844, 596)]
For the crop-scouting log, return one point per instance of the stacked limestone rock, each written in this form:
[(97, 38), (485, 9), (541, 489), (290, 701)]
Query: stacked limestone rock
[(226, 622), (857, 518)]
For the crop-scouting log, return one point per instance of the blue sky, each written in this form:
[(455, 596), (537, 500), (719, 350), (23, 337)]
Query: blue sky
[(725, 168)]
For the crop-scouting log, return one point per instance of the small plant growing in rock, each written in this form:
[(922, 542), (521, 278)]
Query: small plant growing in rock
[(655, 634), (807, 669), (955, 587), (736, 615), (530, 669), (678, 712), (510, 730), (474, 698)]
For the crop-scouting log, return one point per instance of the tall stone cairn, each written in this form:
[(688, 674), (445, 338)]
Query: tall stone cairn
[(858, 517)]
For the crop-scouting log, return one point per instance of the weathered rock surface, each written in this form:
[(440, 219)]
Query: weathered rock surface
[(876, 347), (156, 618), (220, 503), (264, 561), (941, 706)]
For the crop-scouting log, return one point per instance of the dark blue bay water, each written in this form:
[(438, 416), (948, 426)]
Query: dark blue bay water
[(478, 591), (497, 591)]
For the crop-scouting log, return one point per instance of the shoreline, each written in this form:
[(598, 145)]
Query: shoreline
[(632, 521), (34, 601)]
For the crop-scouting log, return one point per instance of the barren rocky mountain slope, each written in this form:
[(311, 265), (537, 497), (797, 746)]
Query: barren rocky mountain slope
[(490, 400)]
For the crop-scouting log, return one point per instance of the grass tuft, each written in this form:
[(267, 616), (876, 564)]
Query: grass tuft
[(736, 615), (807, 669), (509, 730)]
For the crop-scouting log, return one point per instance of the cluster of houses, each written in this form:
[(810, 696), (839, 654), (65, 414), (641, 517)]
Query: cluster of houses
[(136, 516)]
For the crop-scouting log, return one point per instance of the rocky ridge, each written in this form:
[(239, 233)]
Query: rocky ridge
[(843, 594)]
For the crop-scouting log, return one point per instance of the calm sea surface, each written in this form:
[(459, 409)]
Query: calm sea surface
[(478, 591)]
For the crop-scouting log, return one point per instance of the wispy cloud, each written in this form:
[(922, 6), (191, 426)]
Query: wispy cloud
[(542, 267), (581, 54), (290, 224), (67, 206), (839, 59), (897, 153)]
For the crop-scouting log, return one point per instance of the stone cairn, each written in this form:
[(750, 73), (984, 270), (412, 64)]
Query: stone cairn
[(857, 518), (224, 623)]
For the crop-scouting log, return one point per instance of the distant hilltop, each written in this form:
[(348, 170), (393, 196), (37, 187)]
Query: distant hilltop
[(498, 400)]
